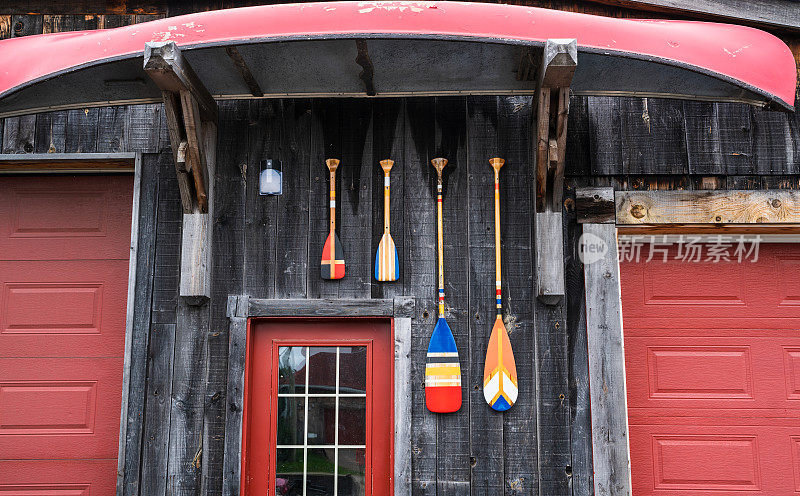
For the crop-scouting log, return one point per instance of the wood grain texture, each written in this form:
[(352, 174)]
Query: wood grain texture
[(227, 272), (549, 257), (609, 411), (486, 425), (232, 463), (520, 473), (453, 430), (595, 205), (320, 307), (581, 468), (708, 207), (776, 14), (137, 326), (402, 409)]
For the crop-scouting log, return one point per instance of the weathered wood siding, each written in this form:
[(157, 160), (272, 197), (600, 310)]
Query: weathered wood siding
[(269, 247)]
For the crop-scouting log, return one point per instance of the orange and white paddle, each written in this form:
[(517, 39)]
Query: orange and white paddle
[(499, 370)]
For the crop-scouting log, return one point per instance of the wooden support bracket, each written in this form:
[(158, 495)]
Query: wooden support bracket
[(191, 114), (558, 62)]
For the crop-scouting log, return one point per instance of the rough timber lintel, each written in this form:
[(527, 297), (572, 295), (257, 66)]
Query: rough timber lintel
[(711, 210)]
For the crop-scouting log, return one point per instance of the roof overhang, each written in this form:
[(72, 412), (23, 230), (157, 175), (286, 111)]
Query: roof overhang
[(415, 48)]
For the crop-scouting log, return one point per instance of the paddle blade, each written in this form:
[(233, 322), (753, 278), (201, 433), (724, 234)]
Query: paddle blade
[(332, 268), (387, 265), (500, 370), (442, 371)]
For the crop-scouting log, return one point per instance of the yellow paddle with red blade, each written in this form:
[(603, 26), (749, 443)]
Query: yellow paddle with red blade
[(387, 265), (442, 368), (332, 255), (499, 371)]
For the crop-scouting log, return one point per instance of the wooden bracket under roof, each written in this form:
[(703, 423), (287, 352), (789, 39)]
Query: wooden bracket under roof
[(191, 114), (558, 62)]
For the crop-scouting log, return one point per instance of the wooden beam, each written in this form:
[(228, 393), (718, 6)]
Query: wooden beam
[(595, 205), (558, 63), (559, 60), (780, 14), (244, 71), (609, 410), (708, 207), (709, 229), (232, 457), (321, 308), (402, 405), (177, 139), (165, 64), (549, 257)]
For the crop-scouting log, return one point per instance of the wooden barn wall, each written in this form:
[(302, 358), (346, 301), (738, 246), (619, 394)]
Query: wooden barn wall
[(269, 247)]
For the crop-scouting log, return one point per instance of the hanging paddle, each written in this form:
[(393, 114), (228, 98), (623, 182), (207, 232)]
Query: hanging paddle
[(387, 265), (499, 370), (442, 369), (332, 256)]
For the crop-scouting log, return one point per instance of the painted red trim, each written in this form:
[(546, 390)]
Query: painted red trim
[(266, 436), (750, 57)]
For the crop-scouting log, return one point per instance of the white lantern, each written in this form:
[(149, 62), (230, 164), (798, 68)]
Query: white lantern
[(270, 182)]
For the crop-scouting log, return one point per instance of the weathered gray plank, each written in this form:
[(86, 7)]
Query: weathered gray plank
[(82, 127), (320, 307), (111, 134), (189, 372), (581, 470), (19, 134), (419, 275), (486, 425), (227, 270), (453, 445), (292, 259), (402, 406), (137, 323), (232, 469), (51, 133), (516, 218), (261, 234), (609, 410), (549, 257), (388, 141), (144, 127), (196, 257), (355, 219)]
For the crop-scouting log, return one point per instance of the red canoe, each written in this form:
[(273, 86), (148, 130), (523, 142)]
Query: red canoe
[(417, 48)]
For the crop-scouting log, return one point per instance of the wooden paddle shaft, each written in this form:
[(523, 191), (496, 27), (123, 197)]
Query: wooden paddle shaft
[(386, 165), (497, 163), (438, 164), (332, 164)]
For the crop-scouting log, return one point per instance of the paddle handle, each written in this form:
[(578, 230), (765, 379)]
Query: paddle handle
[(386, 165), (438, 164), (497, 163), (332, 164)]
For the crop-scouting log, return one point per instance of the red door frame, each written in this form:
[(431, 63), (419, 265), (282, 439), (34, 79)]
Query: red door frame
[(260, 347)]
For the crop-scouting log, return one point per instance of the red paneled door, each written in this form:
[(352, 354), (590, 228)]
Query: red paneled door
[(319, 408), (712, 355), (64, 248)]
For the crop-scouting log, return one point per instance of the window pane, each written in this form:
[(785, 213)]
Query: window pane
[(319, 480), (351, 472), (291, 417), (353, 369), (352, 420), (291, 369), (321, 418), (289, 473), (322, 370)]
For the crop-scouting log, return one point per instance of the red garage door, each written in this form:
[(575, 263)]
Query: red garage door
[(64, 244), (712, 353)]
